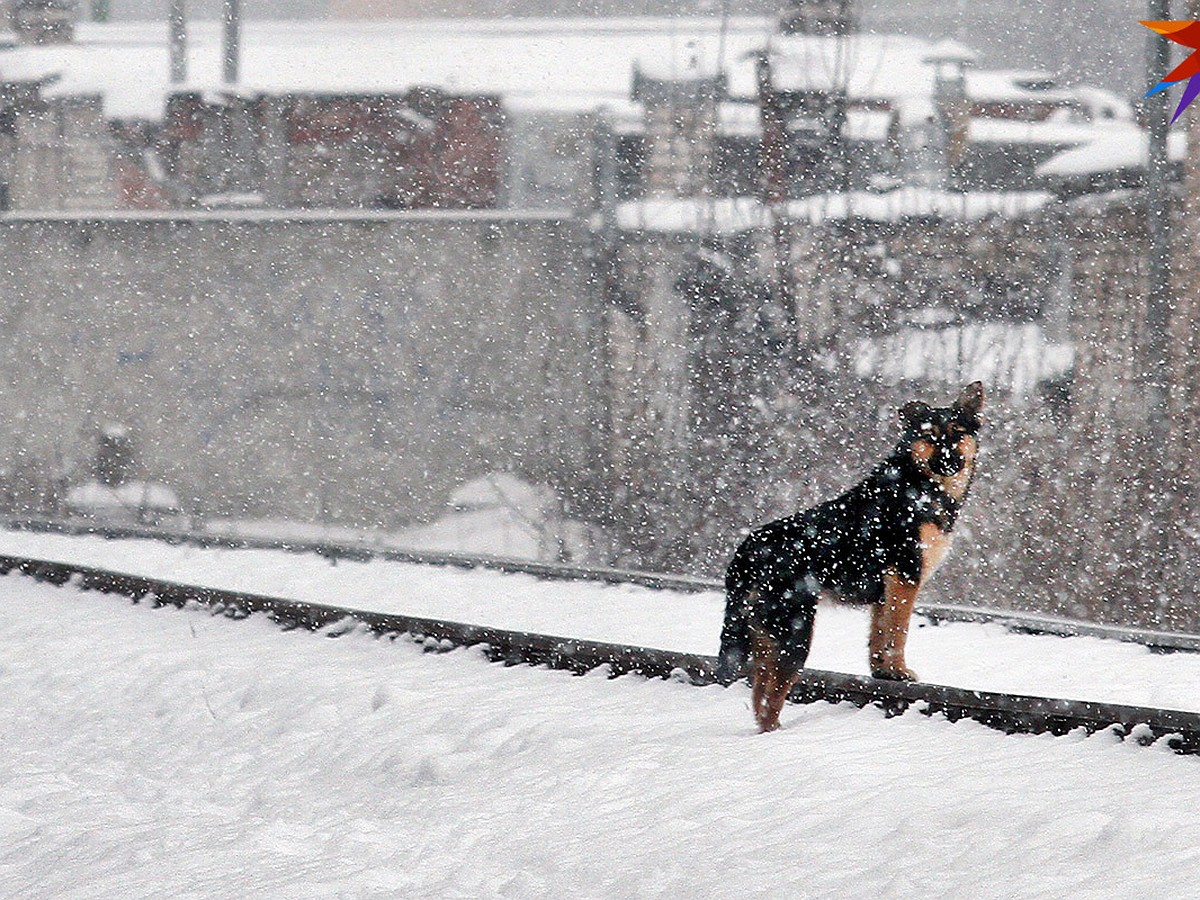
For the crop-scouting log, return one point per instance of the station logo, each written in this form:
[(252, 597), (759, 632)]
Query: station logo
[(1187, 34)]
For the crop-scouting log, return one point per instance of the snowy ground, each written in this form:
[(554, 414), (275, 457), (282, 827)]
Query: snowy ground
[(175, 754), (982, 657)]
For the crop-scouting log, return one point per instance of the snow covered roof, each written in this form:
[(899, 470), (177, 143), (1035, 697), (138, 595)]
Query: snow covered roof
[(498, 490), (1103, 105), (950, 50), (1016, 84), (1111, 150), (1052, 131), (1021, 86), (1016, 356), (895, 68), (738, 214), (871, 66), (567, 64)]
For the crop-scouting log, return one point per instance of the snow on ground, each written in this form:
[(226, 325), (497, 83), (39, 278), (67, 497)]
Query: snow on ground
[(967, 655), (167, 753)]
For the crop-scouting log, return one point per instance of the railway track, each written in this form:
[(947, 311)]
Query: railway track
[(1005, 712), (1027, 623)]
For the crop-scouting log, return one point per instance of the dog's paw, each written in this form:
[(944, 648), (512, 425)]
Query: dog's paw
[(903, 673)]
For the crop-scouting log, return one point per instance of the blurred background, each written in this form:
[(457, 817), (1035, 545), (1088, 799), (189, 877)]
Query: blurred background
[(606, 283)]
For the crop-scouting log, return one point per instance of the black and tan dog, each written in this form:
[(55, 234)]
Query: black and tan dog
[(876, 544)]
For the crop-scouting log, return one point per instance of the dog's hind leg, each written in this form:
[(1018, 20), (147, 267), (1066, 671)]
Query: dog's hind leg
[(735, 636), (777, 668), (763, 677), (776, 697)]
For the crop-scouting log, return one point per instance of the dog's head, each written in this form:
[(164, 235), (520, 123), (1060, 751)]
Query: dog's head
[(943, 440)]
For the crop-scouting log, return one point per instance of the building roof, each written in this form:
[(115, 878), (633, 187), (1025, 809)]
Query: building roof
[(895, 68), (948, 50), (999, 85), (1051, 131), (568, 64)]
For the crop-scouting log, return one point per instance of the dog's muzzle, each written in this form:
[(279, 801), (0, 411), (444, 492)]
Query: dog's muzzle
[(947, 462)]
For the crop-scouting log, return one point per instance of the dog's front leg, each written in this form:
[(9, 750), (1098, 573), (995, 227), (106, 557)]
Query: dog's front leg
[(889, 629)]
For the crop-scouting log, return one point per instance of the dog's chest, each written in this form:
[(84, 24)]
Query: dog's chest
[(934, 544)]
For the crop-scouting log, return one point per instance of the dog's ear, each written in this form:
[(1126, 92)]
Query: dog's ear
[(971, 398), (913, 412)]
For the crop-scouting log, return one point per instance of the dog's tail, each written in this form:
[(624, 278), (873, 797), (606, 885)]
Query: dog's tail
[(735, 633)]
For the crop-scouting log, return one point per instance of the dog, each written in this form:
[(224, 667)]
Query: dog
[(876, 544)]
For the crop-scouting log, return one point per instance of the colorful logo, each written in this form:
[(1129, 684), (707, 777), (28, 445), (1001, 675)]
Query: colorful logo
[(1187, 34)]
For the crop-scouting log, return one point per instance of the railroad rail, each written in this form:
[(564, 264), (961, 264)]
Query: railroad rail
[(1009, 713), (363, 550)]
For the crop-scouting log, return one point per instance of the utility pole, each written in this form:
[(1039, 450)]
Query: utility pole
[(177, 37), (1185, 402), (839, 100), (602, 489), (1160, 486), (774, 188), (1156, 355), (232, 20)]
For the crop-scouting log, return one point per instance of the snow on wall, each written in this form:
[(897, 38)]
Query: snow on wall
[(730, 215)]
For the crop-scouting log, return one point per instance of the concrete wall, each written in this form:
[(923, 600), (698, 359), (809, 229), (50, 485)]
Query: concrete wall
[(352, 367)]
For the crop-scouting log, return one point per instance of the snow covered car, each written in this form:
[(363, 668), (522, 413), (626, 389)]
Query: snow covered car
[(131, 503)]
